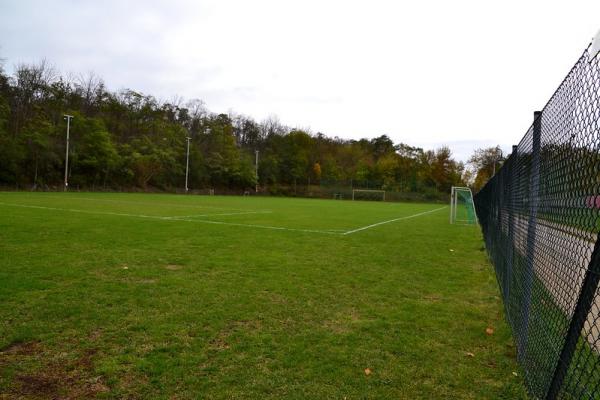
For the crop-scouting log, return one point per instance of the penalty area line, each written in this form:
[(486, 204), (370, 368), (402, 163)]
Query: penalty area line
[(277, 228), (391, 220), (201, 221)]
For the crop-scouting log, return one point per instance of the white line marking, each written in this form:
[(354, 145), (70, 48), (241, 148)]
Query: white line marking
[(85, 211), (279, 228), (391, 220), (220, 214)]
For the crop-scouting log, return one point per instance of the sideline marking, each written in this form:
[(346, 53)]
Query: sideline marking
[(391, 220), (204, 221)]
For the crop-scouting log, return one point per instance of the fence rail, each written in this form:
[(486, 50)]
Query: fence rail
[(540, 217)]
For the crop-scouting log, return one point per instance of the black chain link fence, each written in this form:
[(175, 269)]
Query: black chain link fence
[(540, 216)]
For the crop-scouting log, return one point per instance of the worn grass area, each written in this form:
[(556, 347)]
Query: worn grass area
[(157, 296)]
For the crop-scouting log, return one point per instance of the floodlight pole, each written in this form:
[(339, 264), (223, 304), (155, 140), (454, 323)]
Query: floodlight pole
[(68, 118), (187, 163), (256, 171)]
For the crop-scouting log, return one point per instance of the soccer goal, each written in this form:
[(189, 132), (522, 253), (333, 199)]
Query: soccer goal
[(462, 208), (368, 194)]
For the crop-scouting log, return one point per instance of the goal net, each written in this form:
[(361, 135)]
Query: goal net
[(462, 208), (366, 194)]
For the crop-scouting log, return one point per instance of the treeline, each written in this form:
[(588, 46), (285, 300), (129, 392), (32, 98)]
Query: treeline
[(127, 139)]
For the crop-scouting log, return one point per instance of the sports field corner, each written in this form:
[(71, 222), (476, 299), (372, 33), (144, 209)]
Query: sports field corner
[(169, 296)]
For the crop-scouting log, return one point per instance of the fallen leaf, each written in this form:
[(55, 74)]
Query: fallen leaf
[(451, 250), (489, 330), (515, 374), (367, 371), (469, 354), (125, 267)]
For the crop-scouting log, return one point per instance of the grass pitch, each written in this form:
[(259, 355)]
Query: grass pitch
[(181, 297)]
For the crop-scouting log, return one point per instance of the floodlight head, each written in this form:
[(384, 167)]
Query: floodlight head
[(595, 46)]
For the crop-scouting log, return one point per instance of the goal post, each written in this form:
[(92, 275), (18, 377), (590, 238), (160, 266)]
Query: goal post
[(368, 194), (462, 207)]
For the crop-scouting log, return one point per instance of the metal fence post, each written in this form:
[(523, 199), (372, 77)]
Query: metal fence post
[(511, 223), (531, 225), (583, 307), (501, 185)]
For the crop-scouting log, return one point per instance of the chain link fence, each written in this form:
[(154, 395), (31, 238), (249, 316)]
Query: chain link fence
[(540, 216)]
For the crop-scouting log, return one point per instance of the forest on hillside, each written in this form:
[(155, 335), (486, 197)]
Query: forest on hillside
[(127, 140)]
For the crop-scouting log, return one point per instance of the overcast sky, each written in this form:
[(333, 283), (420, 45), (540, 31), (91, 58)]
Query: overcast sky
[(466, 74)]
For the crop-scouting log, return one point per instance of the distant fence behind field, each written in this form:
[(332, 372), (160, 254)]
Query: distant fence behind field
[(540, 216), (322, 191)]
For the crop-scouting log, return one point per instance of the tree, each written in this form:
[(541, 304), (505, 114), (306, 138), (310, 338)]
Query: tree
[(386, 169), (317, 172), (42, 156), (30, 87), (445, 171), (94, 155), (225, 164), (409, 165), (10, 153), (485, 162), (295, 156), (382, 146), (131, 139), (272, 126), (89, 89)]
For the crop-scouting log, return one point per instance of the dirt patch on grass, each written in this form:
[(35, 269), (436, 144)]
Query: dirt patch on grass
[(37, 385), (56, 384), (55, 377), (173, 267), (219, 343), (19, 349)]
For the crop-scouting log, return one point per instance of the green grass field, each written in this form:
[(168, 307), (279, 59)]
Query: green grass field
[(182, 297)]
